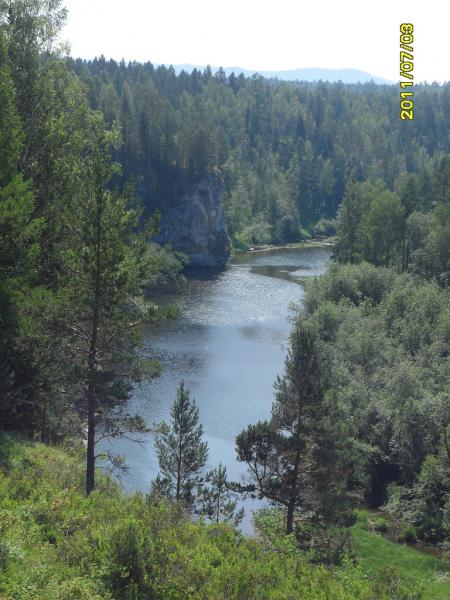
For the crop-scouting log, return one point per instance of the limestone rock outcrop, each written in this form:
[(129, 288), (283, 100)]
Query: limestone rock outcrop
[(196, 224)]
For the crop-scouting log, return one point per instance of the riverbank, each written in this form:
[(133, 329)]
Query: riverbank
[(428, 575), (387, 526), (318, 242)]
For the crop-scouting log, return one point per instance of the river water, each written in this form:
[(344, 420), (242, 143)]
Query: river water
[(228, 346)]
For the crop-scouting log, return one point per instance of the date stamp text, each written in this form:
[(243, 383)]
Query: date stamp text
[(406, 72)]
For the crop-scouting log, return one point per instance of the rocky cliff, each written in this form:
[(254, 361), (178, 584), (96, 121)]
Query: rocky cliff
[(196, 225)]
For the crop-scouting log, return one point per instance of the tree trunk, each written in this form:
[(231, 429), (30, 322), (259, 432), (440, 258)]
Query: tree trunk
[(90, 456), (92, 358), (290, 517), (179, 461), (44, 421), (294, 492)]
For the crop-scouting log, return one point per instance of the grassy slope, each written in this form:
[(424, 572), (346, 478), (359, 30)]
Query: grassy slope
[(55, 544), (418, 570)]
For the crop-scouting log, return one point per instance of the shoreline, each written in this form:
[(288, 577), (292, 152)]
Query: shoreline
[(313, 243)]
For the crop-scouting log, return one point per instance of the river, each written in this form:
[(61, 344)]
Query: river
[(228, 346)]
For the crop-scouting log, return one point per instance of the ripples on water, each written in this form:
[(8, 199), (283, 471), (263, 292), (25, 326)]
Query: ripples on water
[(228, 346)]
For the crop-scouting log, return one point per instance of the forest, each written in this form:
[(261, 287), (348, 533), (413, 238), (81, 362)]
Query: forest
[(354, 459), (286, 151)]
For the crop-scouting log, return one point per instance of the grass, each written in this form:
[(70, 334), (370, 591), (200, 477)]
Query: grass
[(416, 569), (56, 544), (303, 279)]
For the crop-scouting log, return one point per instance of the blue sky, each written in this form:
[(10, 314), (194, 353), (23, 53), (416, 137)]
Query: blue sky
[(263, 35)]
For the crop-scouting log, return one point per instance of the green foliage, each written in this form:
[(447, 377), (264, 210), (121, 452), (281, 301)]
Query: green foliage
[(288, 151), (386, 341), (405, 572), (20, 235), (55, 543), (371, 352), (290, 457), (381, 525), (73, 268), (446, 524), (409, 230), (103, 267), (409, 535), (370, 225), (181, 452), (10, 128), (430, 493), (382, 228), (217, 500), (325, 227), (430, 258), (408, 507), (304, 234)]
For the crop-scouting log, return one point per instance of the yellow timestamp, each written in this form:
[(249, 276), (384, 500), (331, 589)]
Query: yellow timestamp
[(406, 72)]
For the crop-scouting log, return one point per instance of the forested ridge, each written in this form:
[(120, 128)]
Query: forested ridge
[(287, 151), (356, 448)]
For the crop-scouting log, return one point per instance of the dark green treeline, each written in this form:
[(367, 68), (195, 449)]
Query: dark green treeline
[(287, 151)]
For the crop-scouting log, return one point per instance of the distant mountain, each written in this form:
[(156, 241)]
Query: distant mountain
[(310, 74)]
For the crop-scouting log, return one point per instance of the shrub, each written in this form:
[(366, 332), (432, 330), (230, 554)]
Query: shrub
[(305, 234), (116, 547), (381, 525), (409, 535), (325, 227), (362, 519)]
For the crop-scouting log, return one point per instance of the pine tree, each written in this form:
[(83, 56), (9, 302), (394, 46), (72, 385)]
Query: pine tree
[(20, 233), (31, 28), (180, 450), (10, 130), (217, 500), (354, 205), (295, 458), (104, 265), (382, 229)]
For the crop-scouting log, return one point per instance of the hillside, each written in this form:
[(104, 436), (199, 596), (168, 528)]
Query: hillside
[(55, 543), (286, 151)]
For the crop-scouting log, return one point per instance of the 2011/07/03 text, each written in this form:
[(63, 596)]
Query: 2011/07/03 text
[(406, 72)]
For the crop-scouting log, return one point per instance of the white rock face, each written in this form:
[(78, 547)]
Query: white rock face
[(196, 225)]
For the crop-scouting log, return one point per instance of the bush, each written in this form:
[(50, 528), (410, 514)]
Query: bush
[(328, 545), (362, 519), (430, 495), (408, 535), (381, 525), (305, 234), (325, 227), (116, 547), (240, 244)]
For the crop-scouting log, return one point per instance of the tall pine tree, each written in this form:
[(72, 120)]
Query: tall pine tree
[(217, 500), (181, 452), (295, 459), (104, 265)]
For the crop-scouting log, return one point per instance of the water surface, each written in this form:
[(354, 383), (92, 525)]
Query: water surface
[(228, 346)]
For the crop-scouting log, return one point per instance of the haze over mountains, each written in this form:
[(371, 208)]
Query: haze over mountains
[(307, 74)]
